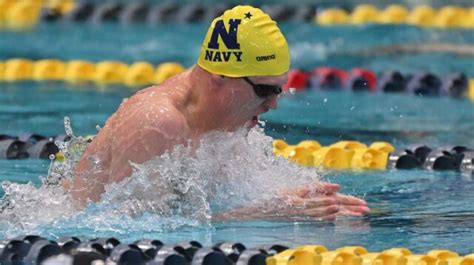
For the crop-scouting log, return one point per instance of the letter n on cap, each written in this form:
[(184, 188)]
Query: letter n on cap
[(229, 38)]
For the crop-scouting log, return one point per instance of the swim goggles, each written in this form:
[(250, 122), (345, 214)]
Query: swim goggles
[(264, 91)]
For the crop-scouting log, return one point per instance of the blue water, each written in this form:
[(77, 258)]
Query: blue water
[(420, 210), (310, 45)]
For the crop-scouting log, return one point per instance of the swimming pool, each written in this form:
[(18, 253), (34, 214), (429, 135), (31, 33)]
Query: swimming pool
[(421, 210)]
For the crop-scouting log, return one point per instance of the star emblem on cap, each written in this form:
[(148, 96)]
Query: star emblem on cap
[(248, 15)]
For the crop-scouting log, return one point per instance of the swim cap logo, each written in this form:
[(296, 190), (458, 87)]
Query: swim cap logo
[(230, 41)]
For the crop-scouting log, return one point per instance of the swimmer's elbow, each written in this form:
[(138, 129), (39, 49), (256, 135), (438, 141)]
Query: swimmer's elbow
[(118, 173), (85, 194), (86, 186)]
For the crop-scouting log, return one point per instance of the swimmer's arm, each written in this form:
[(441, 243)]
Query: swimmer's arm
[(89, 180), (301, 203), (136, 140), (137, 147), (319, 209)]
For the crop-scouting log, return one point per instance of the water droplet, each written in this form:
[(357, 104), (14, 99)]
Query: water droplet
[(325, 100), (67, 127), (292, 90), (353, 107)]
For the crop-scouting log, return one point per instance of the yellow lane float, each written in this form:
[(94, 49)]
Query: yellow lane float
[(332, 16), (2, 69), (78, 71), (110, 72), (422, 15), (22, 15), (167, 70), (364, 14), (137, 74), (470, 92), (48, 70), (342, 155), (393, 14), (357, 255), (17, 70), (451, 16)]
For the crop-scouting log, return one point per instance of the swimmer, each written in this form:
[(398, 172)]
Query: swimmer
[(243, 63)]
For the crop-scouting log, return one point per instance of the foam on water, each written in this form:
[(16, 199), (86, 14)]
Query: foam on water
[(183, 187)]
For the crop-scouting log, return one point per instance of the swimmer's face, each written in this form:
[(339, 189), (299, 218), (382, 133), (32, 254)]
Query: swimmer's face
[(244, 105)]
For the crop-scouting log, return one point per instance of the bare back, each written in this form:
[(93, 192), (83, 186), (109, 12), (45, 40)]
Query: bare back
[(144, 126)]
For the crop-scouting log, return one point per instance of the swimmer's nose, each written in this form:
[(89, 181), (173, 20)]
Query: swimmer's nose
[(271, 102)]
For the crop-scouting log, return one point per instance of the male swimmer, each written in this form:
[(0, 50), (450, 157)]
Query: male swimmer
[(243, 63)]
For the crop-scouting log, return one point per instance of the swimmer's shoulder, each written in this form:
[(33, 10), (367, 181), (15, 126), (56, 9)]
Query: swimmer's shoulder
[(168, 117), (159, 115)]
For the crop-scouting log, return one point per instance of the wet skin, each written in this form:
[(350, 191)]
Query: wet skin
[(185, 108)]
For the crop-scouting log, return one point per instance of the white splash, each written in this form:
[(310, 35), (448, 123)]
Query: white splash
[(228, 170), (181, 187), (72, 150), (25, 207)]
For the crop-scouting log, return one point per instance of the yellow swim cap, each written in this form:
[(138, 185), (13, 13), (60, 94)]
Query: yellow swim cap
[(244, 41)]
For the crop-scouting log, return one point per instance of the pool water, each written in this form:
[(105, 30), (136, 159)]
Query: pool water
[(418, 209)]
